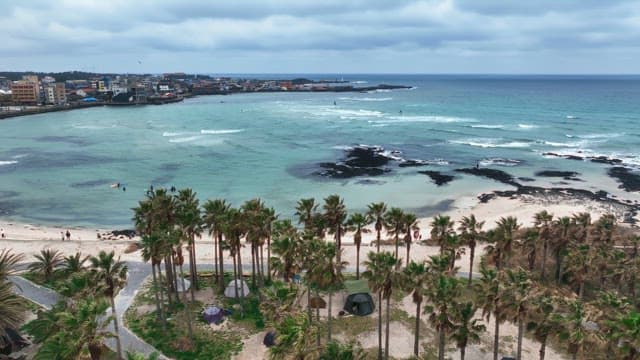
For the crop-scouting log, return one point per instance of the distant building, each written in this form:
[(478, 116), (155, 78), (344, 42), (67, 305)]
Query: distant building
[(25, 92), (55, 94)]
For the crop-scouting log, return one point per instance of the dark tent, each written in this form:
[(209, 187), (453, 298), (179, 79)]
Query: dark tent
[(213, 314), (359, 304), (12, 341), (269, 339)]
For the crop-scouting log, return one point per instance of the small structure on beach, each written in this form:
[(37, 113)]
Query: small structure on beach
[(213, 315), (236, 285), (359, 301)]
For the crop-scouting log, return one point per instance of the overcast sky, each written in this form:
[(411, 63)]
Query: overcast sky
[(322, 36)]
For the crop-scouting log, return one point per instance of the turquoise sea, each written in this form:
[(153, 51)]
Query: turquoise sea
[(57, 168)]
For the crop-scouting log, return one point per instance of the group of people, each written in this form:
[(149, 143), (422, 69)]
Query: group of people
[(66, 235)]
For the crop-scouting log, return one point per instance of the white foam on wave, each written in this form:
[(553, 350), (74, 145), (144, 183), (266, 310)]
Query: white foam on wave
[(428, 118), (574, 144), (379, 125), (185, 139), (600, 136), (499, 162), (172, 134), (527, 126), (8, 162), (220, 132), (486, 126), (367, 99), (19, 156), (490, 143), (360, 82)]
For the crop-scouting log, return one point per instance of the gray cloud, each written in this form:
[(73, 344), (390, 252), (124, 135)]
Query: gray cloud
[(239, 33)]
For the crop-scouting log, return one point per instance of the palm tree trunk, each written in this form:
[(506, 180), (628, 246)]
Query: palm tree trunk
[(261, 266), (168, 277), (496, 337), (192, 271), (269, 257), (235, 279), (240, 272), (581, 290), (253, 265), (194, 264), (379, 324), (95, 351), (187, 313), (338, 247), (472, 253), (520, 334), (318, 318), (221, 264), (416, 342), (329, 318), (378, 242), (155, 290), (408, 251), (310, 315), (441, 344), (396, 254), (386, 333), (544, 258), (358, 262), (215, 257), (558, 266), (175, 280), (463, 350), (543, 348), (115, 326)]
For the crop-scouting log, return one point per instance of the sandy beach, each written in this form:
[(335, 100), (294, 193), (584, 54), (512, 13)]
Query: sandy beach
[(30, 239)]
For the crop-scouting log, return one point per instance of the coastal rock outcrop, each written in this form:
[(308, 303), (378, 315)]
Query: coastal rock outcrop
[(437, 177)]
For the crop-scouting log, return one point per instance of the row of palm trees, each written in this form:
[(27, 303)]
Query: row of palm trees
[(79, 323), (586, 255)]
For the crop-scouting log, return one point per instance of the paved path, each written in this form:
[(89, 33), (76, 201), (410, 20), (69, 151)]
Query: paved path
[(36, 293)]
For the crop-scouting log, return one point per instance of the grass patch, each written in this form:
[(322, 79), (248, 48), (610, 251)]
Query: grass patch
[(352, 326), (173, 341)]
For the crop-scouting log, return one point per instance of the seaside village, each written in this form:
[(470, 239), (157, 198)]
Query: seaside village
[(23, 93)]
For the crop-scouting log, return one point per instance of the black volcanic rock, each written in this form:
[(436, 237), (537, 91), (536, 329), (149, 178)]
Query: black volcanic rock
[(359, 160), (606, 160), (493, 174), (628, 180), (366, 156), (412, 163), (437, 177), (554, 173), (341, 171)]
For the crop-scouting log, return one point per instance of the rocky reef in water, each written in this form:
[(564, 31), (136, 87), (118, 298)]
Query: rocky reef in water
[(437, 177)]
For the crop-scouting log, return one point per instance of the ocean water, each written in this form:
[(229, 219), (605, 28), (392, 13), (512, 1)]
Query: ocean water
[(57, 168)]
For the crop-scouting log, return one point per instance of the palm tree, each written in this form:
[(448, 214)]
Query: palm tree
[(573, 330), (335, 214), (286, 246), (529, 246), (582, 222), (234, 228), (381, 276), (441, 228), (190, 222), (332, 267), (154, 250), (542, 222), (471, 233), (113, 274), (81, 326), (376, 213), (12, 307), (488, 291), (74, 263), (615, 307), (268, 216), (442, 292), (579, 262), (410, 224), (47, 262), (466, 329), (561, 241), (394, 223), (306, 210), (255, 232), (543, 320), (415, 280), (503, 237), (627, 334), (357, 223), (214, 215), (515, 300)]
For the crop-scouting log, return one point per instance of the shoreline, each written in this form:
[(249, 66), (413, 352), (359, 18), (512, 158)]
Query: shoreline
[(30, 239)]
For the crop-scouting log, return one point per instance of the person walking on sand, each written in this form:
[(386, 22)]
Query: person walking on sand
[(68, 235), (2, 233), (62, 235)]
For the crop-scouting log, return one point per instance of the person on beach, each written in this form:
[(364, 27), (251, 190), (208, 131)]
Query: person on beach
[(2, 233), (62, 235), (68, 235)]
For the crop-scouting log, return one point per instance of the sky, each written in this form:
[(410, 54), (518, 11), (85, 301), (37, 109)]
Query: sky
[(322, 36)]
